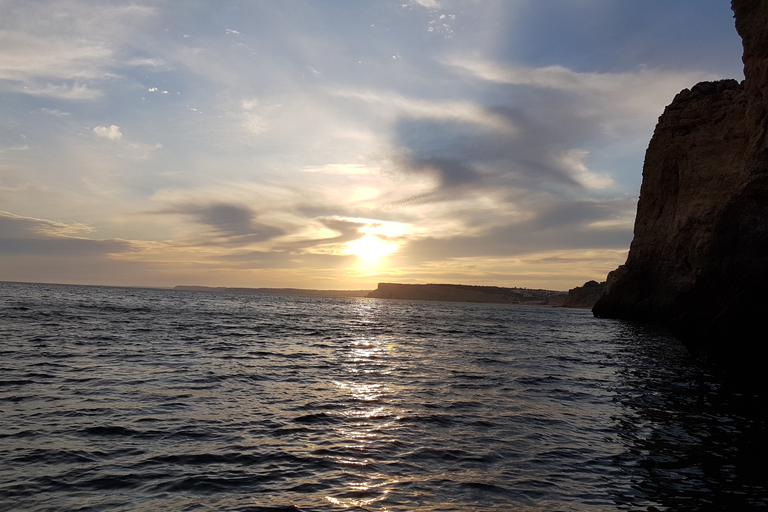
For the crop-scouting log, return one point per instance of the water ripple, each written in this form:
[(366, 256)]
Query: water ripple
[(128, 399)]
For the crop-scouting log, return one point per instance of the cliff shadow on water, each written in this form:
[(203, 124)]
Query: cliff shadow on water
[(691, 442), (698, 262)]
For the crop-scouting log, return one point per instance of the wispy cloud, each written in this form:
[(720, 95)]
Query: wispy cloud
[(227, 224), (27, 57), (429, 4), (62, 50), (55, 112), (638, 93), (74, 91), (399, 106), (41, 237), (555, 227), (146, 62)]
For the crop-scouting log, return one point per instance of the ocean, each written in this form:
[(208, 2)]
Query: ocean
[(132, 399)]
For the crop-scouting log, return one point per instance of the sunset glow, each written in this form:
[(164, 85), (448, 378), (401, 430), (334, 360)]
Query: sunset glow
[(260, 144), (370, 248)]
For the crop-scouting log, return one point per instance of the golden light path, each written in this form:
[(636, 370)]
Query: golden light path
[(371, 418)]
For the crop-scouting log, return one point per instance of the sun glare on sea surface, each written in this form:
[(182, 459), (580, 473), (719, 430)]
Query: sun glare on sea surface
[(370, 248)]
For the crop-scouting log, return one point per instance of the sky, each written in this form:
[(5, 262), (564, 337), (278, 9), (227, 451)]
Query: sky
[(335, 144)]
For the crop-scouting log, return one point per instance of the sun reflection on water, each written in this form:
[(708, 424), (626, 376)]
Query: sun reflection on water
[(368, 393), (375, 484)]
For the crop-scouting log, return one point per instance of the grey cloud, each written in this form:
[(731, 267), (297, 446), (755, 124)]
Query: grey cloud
[(517, 240), (526, 156), (348, 231), (227, 219), (386, 211), (289, 255), (451, 172), (62, 246), (64, 50), (258, 259), (14, 226), (284, 259), (28, 236), (230, 224), (555, 226), (337, 261), (567, 213)]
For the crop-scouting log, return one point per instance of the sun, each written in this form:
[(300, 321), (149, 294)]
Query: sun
[(370, 247)]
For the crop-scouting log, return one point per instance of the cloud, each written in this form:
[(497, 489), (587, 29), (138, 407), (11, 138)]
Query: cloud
[(24, 227), (542, 131), (143, 151), (257, 260), (560, 77), (30, 236), (29, 57), (400, 106), (285, 142), (617, 99), (583, 213), (344, 169), (449, 172), (63, 50), (429, 4), (76, 91), (346, 230), (535, 157), (55, 112), (24, 147), (556, 226), (111, 133), (229, 224), (146, 62), (227, 219), (572, 162)]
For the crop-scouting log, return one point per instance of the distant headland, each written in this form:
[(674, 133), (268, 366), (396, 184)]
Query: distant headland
[(580, 297), (469, 293)]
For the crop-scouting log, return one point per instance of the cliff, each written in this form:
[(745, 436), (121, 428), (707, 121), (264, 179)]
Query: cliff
[(699, 258), (468, 293), (584, 296)]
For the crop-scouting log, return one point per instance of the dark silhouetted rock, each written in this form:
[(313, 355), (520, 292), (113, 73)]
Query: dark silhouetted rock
[(699, 259), (584, 296)]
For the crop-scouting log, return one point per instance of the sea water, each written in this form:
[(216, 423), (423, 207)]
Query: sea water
[(139, 399)]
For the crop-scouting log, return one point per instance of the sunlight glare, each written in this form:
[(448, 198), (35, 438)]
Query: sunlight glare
[(370, 247)]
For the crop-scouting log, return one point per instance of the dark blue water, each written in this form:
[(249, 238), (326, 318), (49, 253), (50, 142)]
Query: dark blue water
[(131, 399)]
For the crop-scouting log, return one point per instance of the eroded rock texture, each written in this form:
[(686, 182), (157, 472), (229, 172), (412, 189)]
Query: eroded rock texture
[(699, 258)]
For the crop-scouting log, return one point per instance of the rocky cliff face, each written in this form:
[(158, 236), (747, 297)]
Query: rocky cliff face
[(699, 258), (693, 167), (584, 296)]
